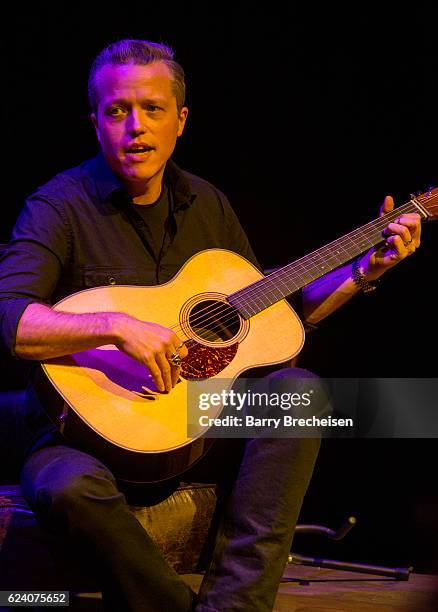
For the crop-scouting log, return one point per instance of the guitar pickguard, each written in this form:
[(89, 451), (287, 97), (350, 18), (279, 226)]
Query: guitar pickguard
[(206, 361)]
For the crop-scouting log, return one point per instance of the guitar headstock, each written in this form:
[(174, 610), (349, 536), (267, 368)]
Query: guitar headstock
[(429, 202)]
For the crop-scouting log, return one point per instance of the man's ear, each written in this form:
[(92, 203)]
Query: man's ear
[(95, 124), (182, 118)]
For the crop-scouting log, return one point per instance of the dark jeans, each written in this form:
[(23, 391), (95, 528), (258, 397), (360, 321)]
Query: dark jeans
[(76, 498)]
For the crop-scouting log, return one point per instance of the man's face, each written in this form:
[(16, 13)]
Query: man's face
[(137, 123)]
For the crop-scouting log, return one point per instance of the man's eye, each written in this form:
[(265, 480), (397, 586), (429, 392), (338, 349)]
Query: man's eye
[(153, 108), (115, 111)]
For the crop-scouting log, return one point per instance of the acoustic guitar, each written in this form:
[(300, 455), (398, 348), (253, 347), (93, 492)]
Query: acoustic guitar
[(231, 318)]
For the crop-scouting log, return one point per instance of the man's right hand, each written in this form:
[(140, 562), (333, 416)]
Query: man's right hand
[(151, 344), (44, 333)]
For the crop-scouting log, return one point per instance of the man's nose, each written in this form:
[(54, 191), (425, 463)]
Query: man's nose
[(136, 123)]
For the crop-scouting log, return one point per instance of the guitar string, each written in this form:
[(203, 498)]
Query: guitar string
[(264, 281), (377, 224), (205, 314), (207, 311), (384, 219), (282, 272), (224, 314), (191, 340)]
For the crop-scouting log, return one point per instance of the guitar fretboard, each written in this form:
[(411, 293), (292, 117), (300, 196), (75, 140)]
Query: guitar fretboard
[(289, 279)]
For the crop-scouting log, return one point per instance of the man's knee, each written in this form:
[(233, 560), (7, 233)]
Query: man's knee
[(80, 490), (77, 504), (302, 392), (293, 374), (58, 482)]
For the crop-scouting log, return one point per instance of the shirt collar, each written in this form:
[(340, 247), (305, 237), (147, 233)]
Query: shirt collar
[(110, 188)]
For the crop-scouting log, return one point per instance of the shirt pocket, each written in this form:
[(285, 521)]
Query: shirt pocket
[(104, 276)]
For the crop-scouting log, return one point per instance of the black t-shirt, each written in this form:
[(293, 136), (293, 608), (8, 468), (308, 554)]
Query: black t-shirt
[(155, 217)]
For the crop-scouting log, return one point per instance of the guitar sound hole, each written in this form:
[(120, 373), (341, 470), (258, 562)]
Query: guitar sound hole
[(214, 321)]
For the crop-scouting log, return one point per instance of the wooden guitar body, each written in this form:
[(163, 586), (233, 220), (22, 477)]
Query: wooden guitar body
[(108, 402)]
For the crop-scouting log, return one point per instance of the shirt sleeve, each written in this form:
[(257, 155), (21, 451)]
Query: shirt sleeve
[(31, 265)]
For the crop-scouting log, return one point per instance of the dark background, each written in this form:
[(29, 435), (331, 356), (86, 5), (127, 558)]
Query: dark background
[(306, 118)]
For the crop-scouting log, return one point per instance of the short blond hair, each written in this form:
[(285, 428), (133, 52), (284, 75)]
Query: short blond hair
[(141, 52)]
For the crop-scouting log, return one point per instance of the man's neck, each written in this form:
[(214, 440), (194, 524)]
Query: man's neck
[(146, 198), (148, 193)]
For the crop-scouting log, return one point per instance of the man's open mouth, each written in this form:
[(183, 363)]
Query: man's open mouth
[(138, 149)]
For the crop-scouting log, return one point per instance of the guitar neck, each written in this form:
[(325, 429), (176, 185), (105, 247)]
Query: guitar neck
[(291, 278)]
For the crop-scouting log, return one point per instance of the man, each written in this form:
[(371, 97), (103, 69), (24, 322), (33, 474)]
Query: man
[(131, 216)]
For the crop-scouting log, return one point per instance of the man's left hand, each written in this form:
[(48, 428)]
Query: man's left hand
[(402, 238)]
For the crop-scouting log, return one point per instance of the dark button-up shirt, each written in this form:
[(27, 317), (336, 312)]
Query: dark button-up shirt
[(81, 230)]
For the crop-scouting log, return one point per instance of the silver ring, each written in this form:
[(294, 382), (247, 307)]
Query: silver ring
[(175, 359)]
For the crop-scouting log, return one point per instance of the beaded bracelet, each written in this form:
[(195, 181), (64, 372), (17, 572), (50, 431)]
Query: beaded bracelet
[(359, 279)]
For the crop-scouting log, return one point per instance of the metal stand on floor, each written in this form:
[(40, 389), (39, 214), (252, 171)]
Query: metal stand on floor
[(398, 573)]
